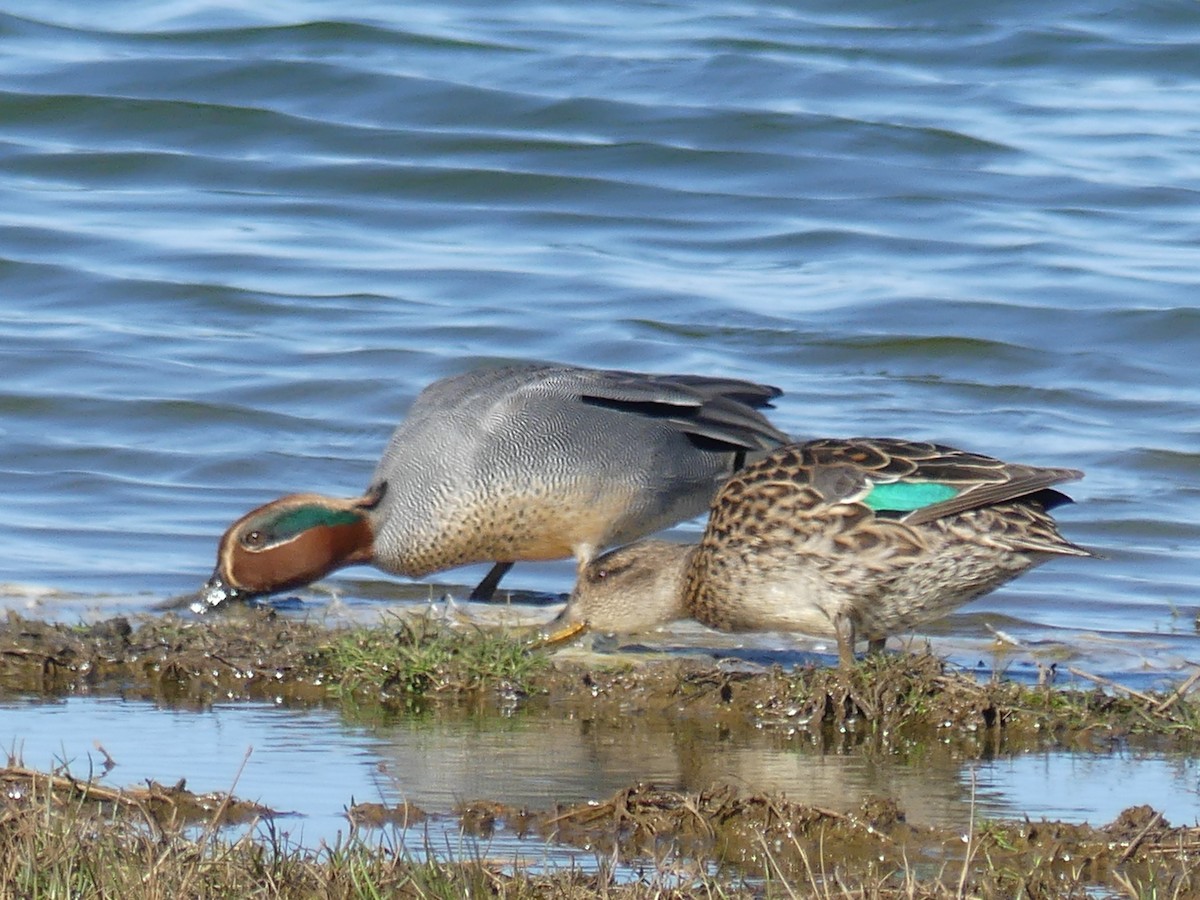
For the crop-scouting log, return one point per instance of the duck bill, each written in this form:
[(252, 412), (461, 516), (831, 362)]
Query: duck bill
[(214, 593)]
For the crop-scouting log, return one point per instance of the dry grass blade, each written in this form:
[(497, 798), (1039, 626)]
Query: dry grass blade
[(1141, 836), (1178, 694), (1112, 685)]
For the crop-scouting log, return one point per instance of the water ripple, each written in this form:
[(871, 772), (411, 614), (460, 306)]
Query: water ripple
[(236, 242)]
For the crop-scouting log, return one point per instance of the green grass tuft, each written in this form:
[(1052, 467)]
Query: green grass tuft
[(422, 657)]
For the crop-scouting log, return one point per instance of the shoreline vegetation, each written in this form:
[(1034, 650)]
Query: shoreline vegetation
[(64, 833)]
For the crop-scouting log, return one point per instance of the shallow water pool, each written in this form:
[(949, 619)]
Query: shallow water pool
[(311, 764)]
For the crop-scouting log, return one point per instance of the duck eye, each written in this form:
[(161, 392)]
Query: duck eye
[(254, 539)]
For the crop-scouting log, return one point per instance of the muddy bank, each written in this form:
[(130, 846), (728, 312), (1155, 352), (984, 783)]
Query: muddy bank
[(714, 840), (769, 834), (167, 808), (419, 662), (893, 704)]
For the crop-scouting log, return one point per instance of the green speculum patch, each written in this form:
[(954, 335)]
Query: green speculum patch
[(905, 496)]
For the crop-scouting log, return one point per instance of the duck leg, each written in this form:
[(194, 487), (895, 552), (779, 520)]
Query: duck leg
[(486, 588), (847, 635)]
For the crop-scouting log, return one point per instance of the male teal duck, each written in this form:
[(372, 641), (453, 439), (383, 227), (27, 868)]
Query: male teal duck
[(849, 539), (525, 462)]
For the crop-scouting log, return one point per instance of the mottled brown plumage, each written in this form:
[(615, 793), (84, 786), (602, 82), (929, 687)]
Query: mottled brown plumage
[(850, 539)]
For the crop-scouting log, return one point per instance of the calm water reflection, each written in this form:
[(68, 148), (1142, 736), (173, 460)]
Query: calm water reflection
[(311, 764)]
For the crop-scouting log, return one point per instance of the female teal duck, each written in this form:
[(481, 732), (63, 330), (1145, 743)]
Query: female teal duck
[(525, 462), (849, 539)]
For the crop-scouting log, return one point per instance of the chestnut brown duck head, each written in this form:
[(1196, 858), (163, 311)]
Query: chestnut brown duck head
[(524, 462), (291, 542)]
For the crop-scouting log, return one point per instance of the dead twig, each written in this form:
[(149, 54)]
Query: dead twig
[(1141, 836), (1151, 702), (1178, 693)]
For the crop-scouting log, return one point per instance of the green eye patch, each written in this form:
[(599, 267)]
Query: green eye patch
[(295, 521)]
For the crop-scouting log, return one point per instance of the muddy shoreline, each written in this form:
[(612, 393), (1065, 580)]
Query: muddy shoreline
[(419, 664)]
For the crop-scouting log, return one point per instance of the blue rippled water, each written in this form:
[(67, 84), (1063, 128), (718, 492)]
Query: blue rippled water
[(235, 242)]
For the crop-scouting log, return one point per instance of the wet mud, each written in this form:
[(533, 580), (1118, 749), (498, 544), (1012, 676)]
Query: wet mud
[(167, 808), (882, 705)]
